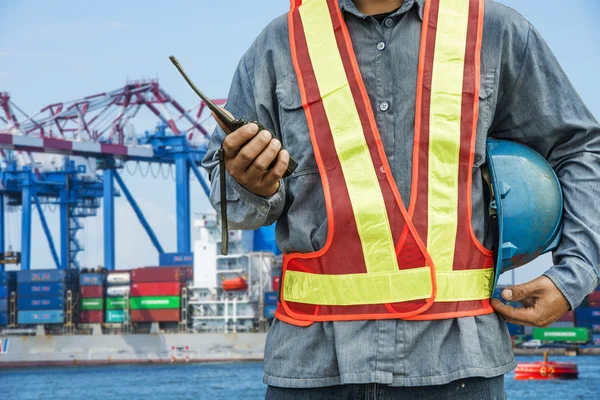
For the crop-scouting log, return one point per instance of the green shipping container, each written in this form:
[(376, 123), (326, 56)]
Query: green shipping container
[(115, 316), (154, 302), (115, 303), (92, 304), (580, 335)]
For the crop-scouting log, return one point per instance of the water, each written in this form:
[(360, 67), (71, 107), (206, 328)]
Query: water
[(228, 381)]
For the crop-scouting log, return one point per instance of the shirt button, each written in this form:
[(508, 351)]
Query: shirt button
[(380, 46), (384, 106), (388, 22)]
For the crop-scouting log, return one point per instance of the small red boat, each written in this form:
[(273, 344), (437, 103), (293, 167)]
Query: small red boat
[(546, 370), (237, 283)]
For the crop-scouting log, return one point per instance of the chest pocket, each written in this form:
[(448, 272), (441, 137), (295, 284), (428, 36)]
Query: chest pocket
[(487, 105), (294, 127)]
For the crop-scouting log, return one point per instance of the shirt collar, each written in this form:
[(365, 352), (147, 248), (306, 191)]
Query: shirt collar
[(348, 6)]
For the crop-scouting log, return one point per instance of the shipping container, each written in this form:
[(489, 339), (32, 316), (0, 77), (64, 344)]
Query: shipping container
[(270, 311), (271, 298), (276, 280), (3, 305), (92, 304), (155, 289), (579, 335), (157, 274), (3, 318), (515, 330), (562, 324), (49, 275), (188, 273), (594, 304), (91, 291), (594, 326), (41, 303), (596, 339), (154, 302), (154, 315), (91, 317), (568, 317), (7, 278), (115, 303), (3, 291), (91, 279), (594, 297), (176, 259), (587, 314), (40, 317), (118, 278), (115, 316), (41, 289), (117, 291)]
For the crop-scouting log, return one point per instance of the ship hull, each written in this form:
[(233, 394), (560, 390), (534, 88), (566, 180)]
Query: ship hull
[(36, 351)]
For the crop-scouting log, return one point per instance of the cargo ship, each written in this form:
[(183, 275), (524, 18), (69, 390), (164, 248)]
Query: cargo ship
[(194, 307)]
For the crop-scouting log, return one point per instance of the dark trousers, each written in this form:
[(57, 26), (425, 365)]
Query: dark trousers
[(464, 389)]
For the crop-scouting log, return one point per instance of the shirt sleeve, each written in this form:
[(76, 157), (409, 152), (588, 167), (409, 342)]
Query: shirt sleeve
[(541, 109), (245, 210)]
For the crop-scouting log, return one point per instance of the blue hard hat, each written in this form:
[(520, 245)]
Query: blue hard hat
[(528, 201)]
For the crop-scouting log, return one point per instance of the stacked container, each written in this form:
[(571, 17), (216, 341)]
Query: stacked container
[(588, 318), (41, 295), (270, 304), (117, 289), (156, 294), (7, 282), (91, 298)]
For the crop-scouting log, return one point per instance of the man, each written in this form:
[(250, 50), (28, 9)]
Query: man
[(523, 96)]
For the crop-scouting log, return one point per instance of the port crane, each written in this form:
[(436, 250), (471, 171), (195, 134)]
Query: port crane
[(86, 141)]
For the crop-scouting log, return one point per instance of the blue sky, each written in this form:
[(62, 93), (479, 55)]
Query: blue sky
[(51, 52)]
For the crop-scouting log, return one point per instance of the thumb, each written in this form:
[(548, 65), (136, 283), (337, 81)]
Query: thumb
[(520, 292)]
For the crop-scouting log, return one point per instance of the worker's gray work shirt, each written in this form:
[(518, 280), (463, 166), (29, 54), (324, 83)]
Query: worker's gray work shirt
[(525, 96)]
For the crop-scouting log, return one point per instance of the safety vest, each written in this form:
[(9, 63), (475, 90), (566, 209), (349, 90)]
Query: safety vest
[(381, 260)]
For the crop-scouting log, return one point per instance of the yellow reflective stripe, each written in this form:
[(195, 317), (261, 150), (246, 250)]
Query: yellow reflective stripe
[(366, 196), (355, 289), (382, 288), (464, 285), (444, 131)]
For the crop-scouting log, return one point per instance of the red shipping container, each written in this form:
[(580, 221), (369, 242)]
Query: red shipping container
[(157, 274), (155, 289), (91, 317), (91, 291), (594, 297), (276, 283), (594, 304), (154, 315), (188, 273), (568, 317)]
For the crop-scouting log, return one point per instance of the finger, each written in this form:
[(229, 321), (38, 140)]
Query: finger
[(519, 292), (278, 170), (528, 302), (264, 159), (519, 316), (221, 124), (236, 140), (251, 150)]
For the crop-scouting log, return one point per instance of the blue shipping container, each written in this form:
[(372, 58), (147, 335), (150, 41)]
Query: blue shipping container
[(270, 311), (3, 305), (91, 280), (271, 298), (3, 291), (515, 330), (3, 318), (40, 289), (587, 314), (41, 317), (176, 259), (47, 275), (3, 278), (594, 325), (40, 303)]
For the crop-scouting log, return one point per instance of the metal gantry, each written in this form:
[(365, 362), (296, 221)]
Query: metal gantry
[(93, 138)]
